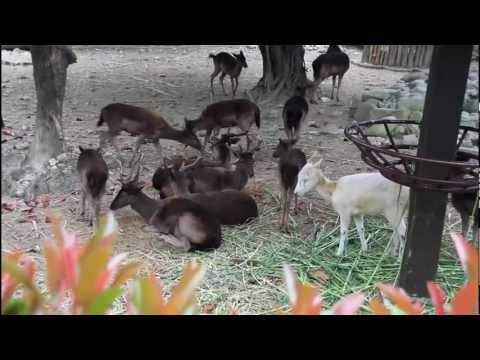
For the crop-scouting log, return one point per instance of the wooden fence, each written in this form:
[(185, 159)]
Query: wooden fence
[(407, 56)]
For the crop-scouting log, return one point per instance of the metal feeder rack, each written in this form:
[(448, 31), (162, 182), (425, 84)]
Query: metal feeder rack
[(400, 167)]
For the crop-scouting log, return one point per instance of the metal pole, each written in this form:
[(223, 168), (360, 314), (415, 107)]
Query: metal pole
[(441, 119)]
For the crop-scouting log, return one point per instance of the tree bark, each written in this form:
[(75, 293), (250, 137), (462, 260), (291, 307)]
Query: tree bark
[(283, 70), (50, 63)]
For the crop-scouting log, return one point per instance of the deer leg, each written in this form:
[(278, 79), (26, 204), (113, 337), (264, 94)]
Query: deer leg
[(157, 145), (361, 232), (344, 225), (222, 76), (465, 222), (172, 240), (139, 142), (205, 142), (236, 84), (340, 77), (282, 208), (334, 80), (82, 203), (233, 87), (216, 71), (295, 209), (112, 138)]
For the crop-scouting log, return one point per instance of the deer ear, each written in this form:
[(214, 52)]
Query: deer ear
[(81, 149), (318, 163)]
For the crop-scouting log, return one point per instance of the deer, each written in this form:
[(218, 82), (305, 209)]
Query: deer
[(145, 123), (218, 178), (294, 113), (291, 161), (333, 63), (466, 204), (226, 114), (227, 64), (231, 207), (161, 179), (355, 196), (93, 173), (222, 150), (180, 222)]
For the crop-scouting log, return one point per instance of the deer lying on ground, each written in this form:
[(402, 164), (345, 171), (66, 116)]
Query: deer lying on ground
[(221, 148), (290, 163), (294, 113), (227, 64), (181, 222), (144, 123), (226, 114), (355, 196), (231, 207), (333, 63), (218, 178), (161, 179), (465, 203), (93, 173)]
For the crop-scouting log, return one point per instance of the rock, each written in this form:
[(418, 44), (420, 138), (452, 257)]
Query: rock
[(62, 157), (312, 124), (21, 146), (417, 83), (470, 105), (415, 116), (414, 75), (363, 112), (381, 113), (412, 103), (420, 90), (325, 99), (409, 140), (332, 129), (378, 94), (52, 162)]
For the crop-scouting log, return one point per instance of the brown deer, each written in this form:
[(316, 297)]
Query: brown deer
[(216, 179), (144, 123), (231, 207), (333, 63), (226, 114), (161, 179), (294, 113), (180, 221), (290, 163), (93, 173), (227, 64)]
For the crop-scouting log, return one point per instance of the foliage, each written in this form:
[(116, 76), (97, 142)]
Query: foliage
[(87, 279)]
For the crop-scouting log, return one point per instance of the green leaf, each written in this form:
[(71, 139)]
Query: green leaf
[(104, 300), (17, 307)]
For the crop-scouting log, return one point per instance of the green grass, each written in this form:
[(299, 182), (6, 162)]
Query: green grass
[(247, 270)]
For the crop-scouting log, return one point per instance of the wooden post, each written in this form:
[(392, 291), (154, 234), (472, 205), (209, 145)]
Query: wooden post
[(438, 138)]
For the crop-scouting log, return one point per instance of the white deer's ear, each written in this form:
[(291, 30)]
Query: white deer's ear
[(314, 158), (318, 163)]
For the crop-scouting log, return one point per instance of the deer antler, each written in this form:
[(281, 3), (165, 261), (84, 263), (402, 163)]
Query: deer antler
[(191, 166)]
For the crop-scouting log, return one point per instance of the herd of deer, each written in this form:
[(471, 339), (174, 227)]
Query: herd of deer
[(197, 196)]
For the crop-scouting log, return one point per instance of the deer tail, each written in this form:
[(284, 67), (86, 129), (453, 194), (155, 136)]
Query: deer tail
[(101, 120), (257, 118)]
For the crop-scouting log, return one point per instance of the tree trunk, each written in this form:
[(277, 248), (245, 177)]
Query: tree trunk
[(283, 70), (50, 63)]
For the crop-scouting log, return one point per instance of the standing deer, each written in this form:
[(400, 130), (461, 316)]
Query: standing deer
[(294, 113), (226, 114), (93, 172), (144, 123), (227, 64), (290, 163), (333, 63)]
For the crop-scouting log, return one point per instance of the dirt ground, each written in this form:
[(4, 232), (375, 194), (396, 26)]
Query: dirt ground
[(175, 80)]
